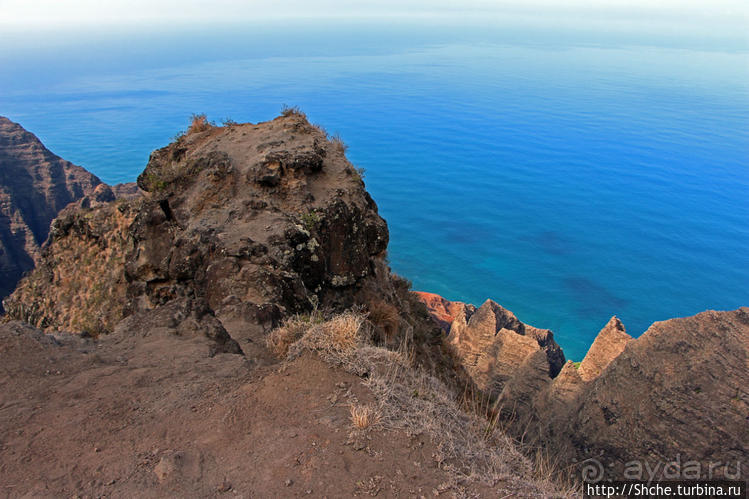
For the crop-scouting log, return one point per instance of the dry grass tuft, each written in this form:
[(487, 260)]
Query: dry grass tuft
[(338, 142), (333, 339), (280, 339), (385, 318), (416, 402), (549, 468), (287, 111), (364, 416), (199, 123)]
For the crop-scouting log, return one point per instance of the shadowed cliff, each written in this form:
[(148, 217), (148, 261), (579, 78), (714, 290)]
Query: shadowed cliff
[(35, 185)]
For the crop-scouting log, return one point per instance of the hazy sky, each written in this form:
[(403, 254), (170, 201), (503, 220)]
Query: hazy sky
[(20, 13)]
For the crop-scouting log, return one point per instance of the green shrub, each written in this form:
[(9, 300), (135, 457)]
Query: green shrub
[(310, 220)]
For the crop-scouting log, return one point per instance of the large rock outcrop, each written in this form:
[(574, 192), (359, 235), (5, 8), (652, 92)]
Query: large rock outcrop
[(35, 185), (259, 221), (248, 223)]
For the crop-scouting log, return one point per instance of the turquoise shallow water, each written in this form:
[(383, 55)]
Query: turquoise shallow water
[(570, 177)]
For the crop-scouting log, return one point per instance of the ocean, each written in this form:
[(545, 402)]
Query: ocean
[(568, 175)]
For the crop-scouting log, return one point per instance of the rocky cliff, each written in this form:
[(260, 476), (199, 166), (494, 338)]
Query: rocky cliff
[(166, 387), (248, 223), (232, 230), (674, 400), (676, 397), (35, 185)]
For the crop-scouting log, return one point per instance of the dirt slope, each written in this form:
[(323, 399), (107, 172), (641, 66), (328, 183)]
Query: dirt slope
[(157, 416)]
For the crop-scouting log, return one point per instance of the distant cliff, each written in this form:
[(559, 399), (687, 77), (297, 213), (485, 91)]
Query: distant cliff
[(673, 398), (35, 185)]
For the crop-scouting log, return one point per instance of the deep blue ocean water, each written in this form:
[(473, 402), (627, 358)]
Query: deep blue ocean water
[(569, 176)]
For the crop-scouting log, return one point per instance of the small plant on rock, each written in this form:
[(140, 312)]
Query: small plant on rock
[(364, 416), (199, 123), (310, 219), (287, 111), (339, 143)]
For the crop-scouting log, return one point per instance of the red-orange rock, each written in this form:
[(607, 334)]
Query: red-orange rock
[(443, 311)]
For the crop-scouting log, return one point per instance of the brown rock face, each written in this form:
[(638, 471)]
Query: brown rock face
[(246, 223), (260, 221), (35, 185), (493, 344), (562, 390), (126, 191), (607, 346), (673, 402), (499, 353), (680, 391)]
